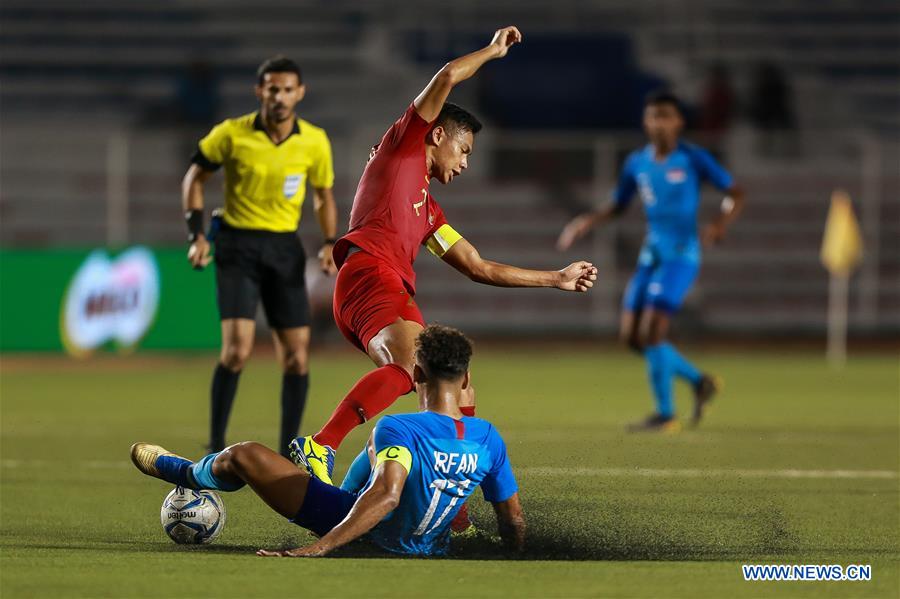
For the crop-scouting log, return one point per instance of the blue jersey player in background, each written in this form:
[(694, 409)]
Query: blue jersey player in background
[(666, 174), (423, 468)]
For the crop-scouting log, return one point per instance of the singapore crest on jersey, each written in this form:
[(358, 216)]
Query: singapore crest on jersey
[(676, 175), (292, 184)]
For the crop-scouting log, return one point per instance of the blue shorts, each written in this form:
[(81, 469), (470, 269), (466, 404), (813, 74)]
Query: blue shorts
[(661, 286), (324, 507)]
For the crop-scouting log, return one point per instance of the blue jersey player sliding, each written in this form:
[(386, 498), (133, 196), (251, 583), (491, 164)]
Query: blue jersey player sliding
[(666, 174), (424, 466)]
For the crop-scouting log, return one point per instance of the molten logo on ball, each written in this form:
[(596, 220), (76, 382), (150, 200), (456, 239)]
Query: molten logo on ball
[(192, 517)]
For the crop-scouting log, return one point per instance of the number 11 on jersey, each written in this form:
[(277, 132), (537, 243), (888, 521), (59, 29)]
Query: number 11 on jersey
[(441, 487)]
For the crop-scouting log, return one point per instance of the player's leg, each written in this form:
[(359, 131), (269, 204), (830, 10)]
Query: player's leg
[(461, 524), (635, 313), (632, 305), (361, 468), (391, 349), (284, 299), (677, 279), (292, 349), (237, 296), (654, 327), (396, 344), (274, 478), (668, 285), (375, 312), (467, 401), (629, 322)]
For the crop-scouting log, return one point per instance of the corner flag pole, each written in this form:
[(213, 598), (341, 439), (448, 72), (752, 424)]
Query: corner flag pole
[(841, 253), (838, 300)]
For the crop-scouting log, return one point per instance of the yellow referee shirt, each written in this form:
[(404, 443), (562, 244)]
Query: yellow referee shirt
[(265, 183)]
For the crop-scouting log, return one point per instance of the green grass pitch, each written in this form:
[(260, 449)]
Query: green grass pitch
[(795, 464)]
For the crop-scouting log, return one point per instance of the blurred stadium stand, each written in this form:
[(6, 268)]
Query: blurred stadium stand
[(94, 140)]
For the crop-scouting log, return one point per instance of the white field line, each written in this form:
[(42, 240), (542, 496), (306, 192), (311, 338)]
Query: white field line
[(707, 473), (84, 465), (560, 471)]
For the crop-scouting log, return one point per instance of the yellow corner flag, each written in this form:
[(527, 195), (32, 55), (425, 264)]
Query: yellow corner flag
[(842, 243)]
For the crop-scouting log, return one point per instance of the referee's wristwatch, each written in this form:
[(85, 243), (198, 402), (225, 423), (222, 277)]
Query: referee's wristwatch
[(329, 241)]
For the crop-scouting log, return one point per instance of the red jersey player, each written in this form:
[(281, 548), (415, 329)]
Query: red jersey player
[(393, 215)]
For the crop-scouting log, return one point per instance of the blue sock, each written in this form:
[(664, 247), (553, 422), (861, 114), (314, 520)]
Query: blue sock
[(358, 474), (660, 371), (202, 473), (681, 366), (176, 471)]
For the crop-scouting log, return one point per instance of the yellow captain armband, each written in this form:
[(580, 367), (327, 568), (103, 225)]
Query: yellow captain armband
[(394, 453), (442, 240)]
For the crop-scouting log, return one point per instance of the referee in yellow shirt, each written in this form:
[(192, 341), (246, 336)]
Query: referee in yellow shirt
[(268, 158)]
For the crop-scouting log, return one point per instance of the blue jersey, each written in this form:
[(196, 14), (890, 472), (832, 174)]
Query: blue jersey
[(450, 458), (670, 192)]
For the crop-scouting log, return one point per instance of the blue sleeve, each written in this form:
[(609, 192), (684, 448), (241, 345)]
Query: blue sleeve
[(500, 483), (390, 432), (626, 186), (710, 169)]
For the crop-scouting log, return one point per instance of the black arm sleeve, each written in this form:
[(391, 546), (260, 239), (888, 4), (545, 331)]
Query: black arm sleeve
[(203, 162)]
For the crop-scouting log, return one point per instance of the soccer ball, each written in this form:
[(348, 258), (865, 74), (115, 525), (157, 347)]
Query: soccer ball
[(192, 517)]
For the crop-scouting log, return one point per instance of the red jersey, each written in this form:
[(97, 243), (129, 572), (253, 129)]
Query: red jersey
[(393, 214)]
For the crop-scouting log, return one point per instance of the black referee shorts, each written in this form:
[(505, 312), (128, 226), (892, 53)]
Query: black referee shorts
[(253, 265)]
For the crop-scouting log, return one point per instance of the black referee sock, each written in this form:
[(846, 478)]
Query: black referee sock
[(293, 399), (224, 388)]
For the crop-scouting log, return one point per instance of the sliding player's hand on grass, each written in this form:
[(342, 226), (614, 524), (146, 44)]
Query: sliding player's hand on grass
[(578, 276), (504, 39), (198, 253), (308, 551)]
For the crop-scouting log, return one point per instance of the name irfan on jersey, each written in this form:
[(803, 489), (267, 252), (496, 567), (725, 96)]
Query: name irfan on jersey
[(465, 463)]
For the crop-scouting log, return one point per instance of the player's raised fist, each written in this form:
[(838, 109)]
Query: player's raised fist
[(578, 276), (504, 38)]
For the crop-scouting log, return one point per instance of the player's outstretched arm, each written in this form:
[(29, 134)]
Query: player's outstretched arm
[(431, 100), (511, 522), (582, 224), (192, 204), (372, 506), (732, 205), (578, 276)]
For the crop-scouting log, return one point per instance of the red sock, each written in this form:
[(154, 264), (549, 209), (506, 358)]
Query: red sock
[(461, 520), (371, 395)]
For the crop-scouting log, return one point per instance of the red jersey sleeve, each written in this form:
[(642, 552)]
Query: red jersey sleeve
[(407, 131), (436, 219)]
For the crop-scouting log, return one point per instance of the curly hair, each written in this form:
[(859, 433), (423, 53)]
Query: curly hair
[(443, 352)]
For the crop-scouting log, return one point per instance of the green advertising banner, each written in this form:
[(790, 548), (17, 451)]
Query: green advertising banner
[(80, 301)]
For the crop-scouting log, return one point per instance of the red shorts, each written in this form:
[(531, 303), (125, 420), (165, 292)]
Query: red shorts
[(368, 296)]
